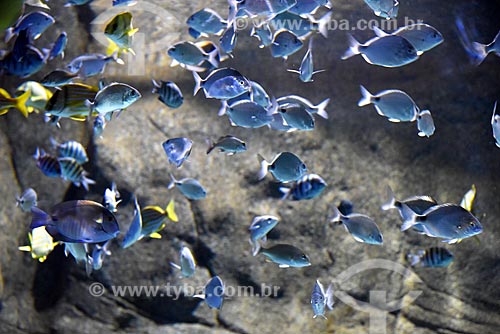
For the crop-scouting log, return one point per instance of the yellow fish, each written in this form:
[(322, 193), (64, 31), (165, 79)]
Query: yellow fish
[(70, 101), (153, 218), (120, 32), (38, 97), (19, 102), (41, 244)]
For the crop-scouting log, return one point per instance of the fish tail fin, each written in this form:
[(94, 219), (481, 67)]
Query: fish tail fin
[(322, 108), (264, 165), (286, 192), (86, 182), (337, 216), (212, 58), (323, 24), (197, 82), (53, 142), (38, 218), (170, 210), (223, 108), (379, 32), (391, 200), (21, 102), (353, 48), (412, 259), (480, 51), (407, 212), (9, 33), (255, 247), (494, 112), (211, 145), (366, 98), (172, 183)]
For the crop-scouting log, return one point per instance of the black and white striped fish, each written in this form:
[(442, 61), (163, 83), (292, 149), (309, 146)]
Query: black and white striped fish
[(72, 171), (71, 149), (307, 187), (170, 93), (431, 257), (47, 163)]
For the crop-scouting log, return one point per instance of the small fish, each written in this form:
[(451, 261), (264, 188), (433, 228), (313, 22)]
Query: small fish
[(110, 196), (58, 78), (70, 101), (387, 9), (308, 186), (213, 293), (27, 200), (207, 22), (447, 221), (306, 70), (264, 7), (320, 299), (285, 43), (263, 33), (386, 51), (482, 50), (190, 188), (120, 32), (297, 117), (170, 93), (177, 150), (38, 98), (229, 145), (79, 251), (30, 62), (99, 125), (35, 23), (495, 125), (431, 257), (285, 167), (260, 95), (422, 36), (425, 124), (72, 171), (49, 165), (134, 232), (59, 46), (117, 3), (115, 96), (18, 102), (77, 221), (228, 39), (70, 149), (319, 109), (301, 26), (187, 262), (188, 53), (259, 228), (88, 65), (361, 227), (306, 7), (249, 114), (468, 199), (394, 104), (41, 244), (153, 218), (286, 256), (224, 83), (99, 253)]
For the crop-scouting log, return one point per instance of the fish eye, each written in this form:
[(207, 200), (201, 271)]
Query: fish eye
[(303, 257), (459, 227), (471, 224)]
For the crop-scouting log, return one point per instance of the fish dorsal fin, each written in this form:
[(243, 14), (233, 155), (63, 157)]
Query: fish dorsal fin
[(422, 198)]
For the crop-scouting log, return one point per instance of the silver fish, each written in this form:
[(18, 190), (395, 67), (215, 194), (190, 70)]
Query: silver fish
[(319, 109), (285, 167), (320, 299), (259, 228), (249, 114), (207, 22), (286, 256), (70, 149), (134, 232), (110, 196), (285, 43), (263, 33), (72, 171), (495, 125), (422, 36), (115, 96), (223, 84), (425, 124), (361, 227), (213, 293), (190, 188), (394, 104), (229, 145), (306, 70), (387, 9), (188, 53), (92, 64), (187, 262), (58, 78), (297, 117), (27, 200)]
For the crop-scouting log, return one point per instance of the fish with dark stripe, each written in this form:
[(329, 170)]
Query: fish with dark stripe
[(170, 93), (72, 171), (431, 257), (48, 164)]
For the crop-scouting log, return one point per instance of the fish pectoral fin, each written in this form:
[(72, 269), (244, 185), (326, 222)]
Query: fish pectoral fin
[(452, 241), (358, 239), (155, 235), (284, 266), (24, 248), (394, 120)]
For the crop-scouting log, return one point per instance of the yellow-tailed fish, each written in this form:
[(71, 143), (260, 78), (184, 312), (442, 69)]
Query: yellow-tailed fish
[(153, 218), (19, 102), (120, 33), (41, 244), (69, 101), (38, 97)]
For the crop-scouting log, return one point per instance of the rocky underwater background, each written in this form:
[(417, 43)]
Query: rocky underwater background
[(356, 151)]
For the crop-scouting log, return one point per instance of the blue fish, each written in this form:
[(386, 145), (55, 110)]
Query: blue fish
[(113, 97), (229, 145), (228, 39), (99, 253), (71, 149), (422, 36), (134, 232), (170, 93), (285, 43), (35, 23), (286, 256), (306, 70), (320, 299), (264, 7), (77, 250), (194, 33), (89, 65), (308, 186), (27, 200), (431, 257), (191, 54), (249, 114), (495, 125), (77, 221), (187, 263), (28, 64), (213, 293), (260, 95), (72, 171), (483, 50), (224, 83), (279, 124), (387, 9), (190, 188), (319, 109), (58, 78), (99, 125), (394, 104), (49, 165), (285, 167), (263, 33), (301, 26), (177, 150), (297, 117), (259, 228), (425, 124), (362, 228), (207, 22), (59, 46)]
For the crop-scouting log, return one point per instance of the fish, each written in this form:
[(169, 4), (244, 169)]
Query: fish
[(361, 227), (213, 293), (249, 114), (27, 200), (134, 232), (345, 207), (113, 97), (286, 256), (99, 253), (297, 117), (279, 124), (263, 33), (153, 218), (301, 26), (70, 149), (285, 43), (59, 46), (38, 96), (259, 228), (79, 251), (468, 199), (117, 3), (259, 94), (41, 244), (77, 221), (387, 9), (72, 171), (387, 51), (69, 101), (422, 36), (431, 257), (88, 65), (187, 262), (425, 124), (18, 102), (177, 150), (228, 39), (285, 167), (188, 53), (48, 164), (306, 7), (495, 125), (98, 125), (320, 299), (264, 7), (319, 109), (207, 22), (169, 93), (35, 23), (449, 222), (306, 69), (483, 50), (30, 62), (190, 188), (224, 83), (394, 104), (228, 144), (58, 78), (110, 196), (307, 187), (120, 32)]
